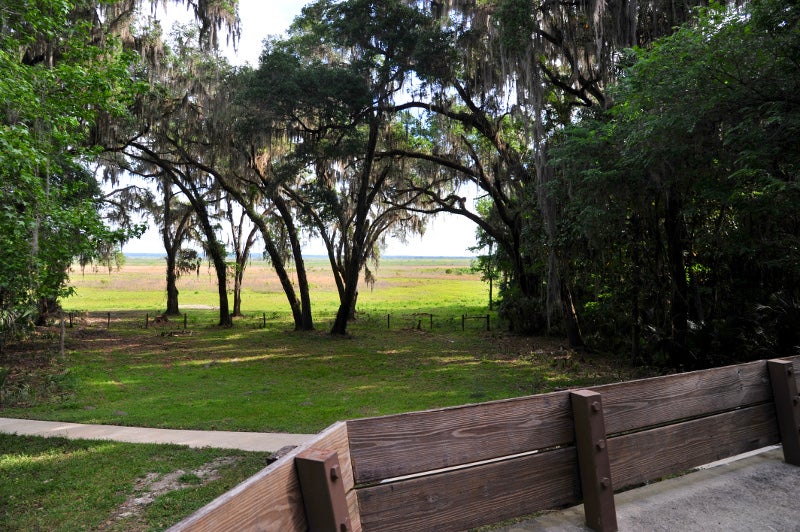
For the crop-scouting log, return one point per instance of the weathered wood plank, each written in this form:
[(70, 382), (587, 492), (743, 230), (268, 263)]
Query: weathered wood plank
[(645, 456), (480, 495), (270, 500), (649, 402), (398, 445), (595, 468), (796, 364), (787, 407), (323, 491)]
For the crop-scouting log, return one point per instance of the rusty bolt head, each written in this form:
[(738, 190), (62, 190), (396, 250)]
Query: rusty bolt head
[(601, 444), (595, 406), (335, 473), (605, 482)]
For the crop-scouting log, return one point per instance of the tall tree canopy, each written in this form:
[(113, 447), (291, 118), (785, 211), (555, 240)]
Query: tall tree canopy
[(683, 195)]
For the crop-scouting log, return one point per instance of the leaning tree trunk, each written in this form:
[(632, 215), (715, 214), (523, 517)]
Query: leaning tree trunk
[(347, 303), (218, 258), (286, 282), (217, 252), (306, 322)]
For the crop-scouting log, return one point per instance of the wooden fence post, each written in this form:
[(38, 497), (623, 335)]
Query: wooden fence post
[(595, 467), (787, 407), (323, 491)]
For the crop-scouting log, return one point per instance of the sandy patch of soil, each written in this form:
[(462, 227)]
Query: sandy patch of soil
[(153, 485)]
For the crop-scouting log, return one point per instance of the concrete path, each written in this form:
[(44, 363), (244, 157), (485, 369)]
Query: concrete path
[(752, 493), (246, 441)]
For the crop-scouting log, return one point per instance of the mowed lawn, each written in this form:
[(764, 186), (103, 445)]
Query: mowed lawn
[(406, 351), (254, 377)]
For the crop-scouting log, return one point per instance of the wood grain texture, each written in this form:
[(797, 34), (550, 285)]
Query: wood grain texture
[(392, 446), (796, 364), (652, 454), (475, 496), (787, 409), (650, 402), (271, 499), (593, 461)]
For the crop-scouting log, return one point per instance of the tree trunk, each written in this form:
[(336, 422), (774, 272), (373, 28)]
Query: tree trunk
[(679, 300), (348, 301), (306, 322), (570, 317), (286, 282), (237, 290), (172, 283), (355, 259), (217, 252), (218, 258)]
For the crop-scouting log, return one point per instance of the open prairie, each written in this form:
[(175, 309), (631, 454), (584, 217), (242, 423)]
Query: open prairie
[(421, 284)]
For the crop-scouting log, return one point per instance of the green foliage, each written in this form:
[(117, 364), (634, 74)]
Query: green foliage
[(188, 261), (682, 197), (55, 81)]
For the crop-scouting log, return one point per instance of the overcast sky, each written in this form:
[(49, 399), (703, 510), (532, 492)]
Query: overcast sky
[(446, 235)]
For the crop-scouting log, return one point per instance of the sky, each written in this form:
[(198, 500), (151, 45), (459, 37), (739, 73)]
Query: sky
[(445, 236)]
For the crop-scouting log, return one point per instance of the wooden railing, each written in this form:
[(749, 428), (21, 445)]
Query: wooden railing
[(463, 467)]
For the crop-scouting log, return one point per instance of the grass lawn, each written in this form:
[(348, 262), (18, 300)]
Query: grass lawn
[(259, 375), (59, 484)]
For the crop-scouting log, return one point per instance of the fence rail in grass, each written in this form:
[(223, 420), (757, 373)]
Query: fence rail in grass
[(463, 467)]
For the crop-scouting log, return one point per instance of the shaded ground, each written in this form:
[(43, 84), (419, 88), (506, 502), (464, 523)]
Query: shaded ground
[(33, 370), (757, 492)]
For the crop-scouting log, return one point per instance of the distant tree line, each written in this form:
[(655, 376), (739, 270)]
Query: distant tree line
[(636, 162)]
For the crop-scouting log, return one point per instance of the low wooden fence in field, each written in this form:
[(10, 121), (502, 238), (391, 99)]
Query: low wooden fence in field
[(463, 467)]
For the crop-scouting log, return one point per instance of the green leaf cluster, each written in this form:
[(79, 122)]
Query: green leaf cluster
[(58, 78), (682, 219)]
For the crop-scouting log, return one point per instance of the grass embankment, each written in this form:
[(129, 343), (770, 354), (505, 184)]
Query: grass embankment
[(253, 377)]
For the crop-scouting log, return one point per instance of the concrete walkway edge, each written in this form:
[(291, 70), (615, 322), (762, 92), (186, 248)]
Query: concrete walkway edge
[(246, 441)]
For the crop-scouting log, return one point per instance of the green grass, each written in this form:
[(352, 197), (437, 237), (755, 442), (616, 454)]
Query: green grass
[(58, 484), (275, 379), (249, 377)]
